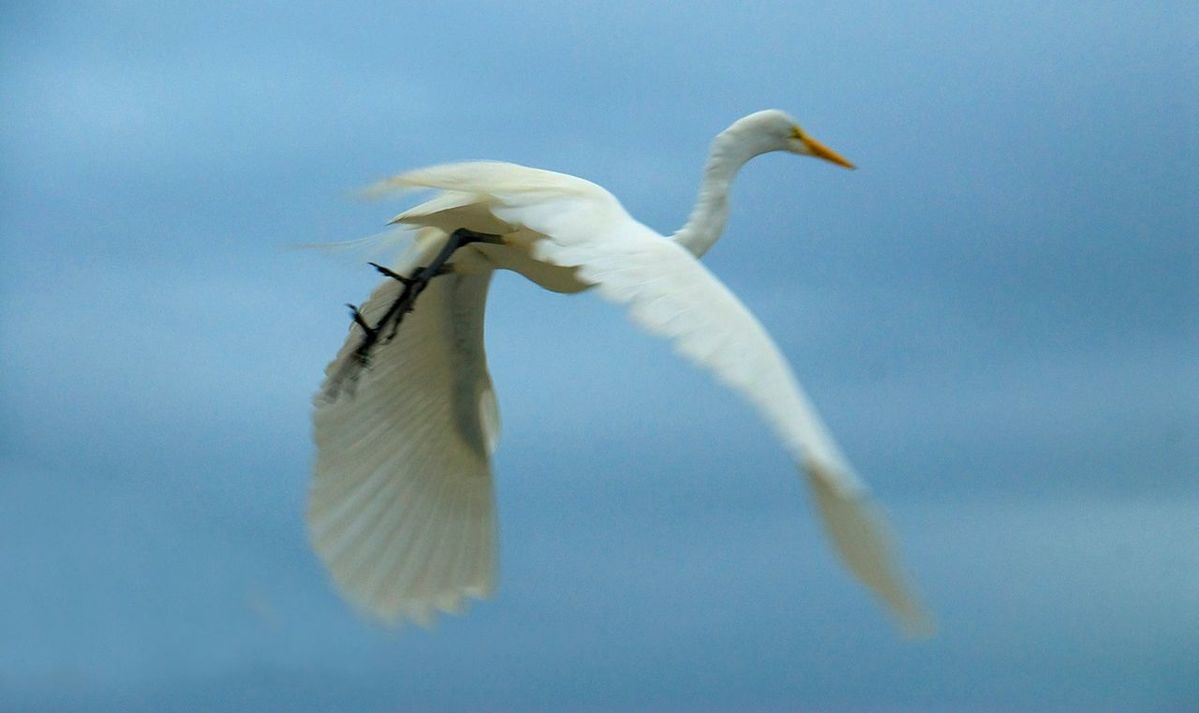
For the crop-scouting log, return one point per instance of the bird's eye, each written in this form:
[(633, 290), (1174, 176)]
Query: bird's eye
[(797, 133)]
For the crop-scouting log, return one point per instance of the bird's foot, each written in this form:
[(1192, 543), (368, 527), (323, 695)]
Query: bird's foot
[(387, 272), (359, 320), (422, 276), (389, 324)]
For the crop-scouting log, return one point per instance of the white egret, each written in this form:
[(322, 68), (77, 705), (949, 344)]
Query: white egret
[(401, 506)]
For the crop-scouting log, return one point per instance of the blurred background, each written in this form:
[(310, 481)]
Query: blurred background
[(998, 314)]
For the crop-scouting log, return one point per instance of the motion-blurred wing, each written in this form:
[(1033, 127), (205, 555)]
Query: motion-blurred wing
[(401, 507), (670, 293)]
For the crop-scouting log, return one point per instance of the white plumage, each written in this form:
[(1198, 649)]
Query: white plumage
[(401, 507)]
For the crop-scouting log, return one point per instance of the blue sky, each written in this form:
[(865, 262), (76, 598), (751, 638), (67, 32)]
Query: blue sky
[(998, 315)]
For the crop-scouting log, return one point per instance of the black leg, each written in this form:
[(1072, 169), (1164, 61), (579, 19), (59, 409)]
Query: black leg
[(402, 305), (416, 284)]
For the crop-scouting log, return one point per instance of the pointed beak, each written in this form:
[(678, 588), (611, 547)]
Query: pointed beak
[(819, 150)]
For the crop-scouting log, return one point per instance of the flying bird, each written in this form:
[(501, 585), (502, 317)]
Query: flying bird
[(401, 507)]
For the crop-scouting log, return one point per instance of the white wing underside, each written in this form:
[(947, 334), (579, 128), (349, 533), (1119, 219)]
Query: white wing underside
[(401, 508), (568, 222)]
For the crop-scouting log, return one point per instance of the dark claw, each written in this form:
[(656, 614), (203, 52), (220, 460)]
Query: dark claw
[(391, 273), (360, 320)]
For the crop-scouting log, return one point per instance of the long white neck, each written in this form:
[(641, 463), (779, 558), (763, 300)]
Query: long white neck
[(728, 154)]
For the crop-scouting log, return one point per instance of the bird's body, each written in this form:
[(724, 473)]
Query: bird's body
[(401, 507)]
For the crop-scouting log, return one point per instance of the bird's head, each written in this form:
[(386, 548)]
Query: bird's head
[(773, 130)]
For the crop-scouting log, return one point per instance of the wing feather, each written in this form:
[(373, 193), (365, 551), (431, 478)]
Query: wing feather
[(671, 294), (401, 508)]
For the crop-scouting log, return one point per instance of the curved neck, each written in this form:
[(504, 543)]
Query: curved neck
[(711, 211)]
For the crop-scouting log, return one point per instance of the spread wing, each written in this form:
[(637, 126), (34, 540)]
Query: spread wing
[(401, 508), (669, 293)]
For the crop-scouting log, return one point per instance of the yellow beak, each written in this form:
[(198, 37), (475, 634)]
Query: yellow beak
[(819, 150)]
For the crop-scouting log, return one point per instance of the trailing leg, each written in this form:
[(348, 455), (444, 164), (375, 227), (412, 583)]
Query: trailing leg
[(387, 326)]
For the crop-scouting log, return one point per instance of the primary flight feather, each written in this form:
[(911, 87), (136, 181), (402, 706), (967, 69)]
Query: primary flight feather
[(401, 507)]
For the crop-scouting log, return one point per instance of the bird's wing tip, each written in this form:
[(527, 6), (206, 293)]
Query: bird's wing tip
[(424, 613), (863, 540)]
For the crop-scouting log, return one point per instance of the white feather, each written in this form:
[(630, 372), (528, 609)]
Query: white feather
[(401, 505)]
